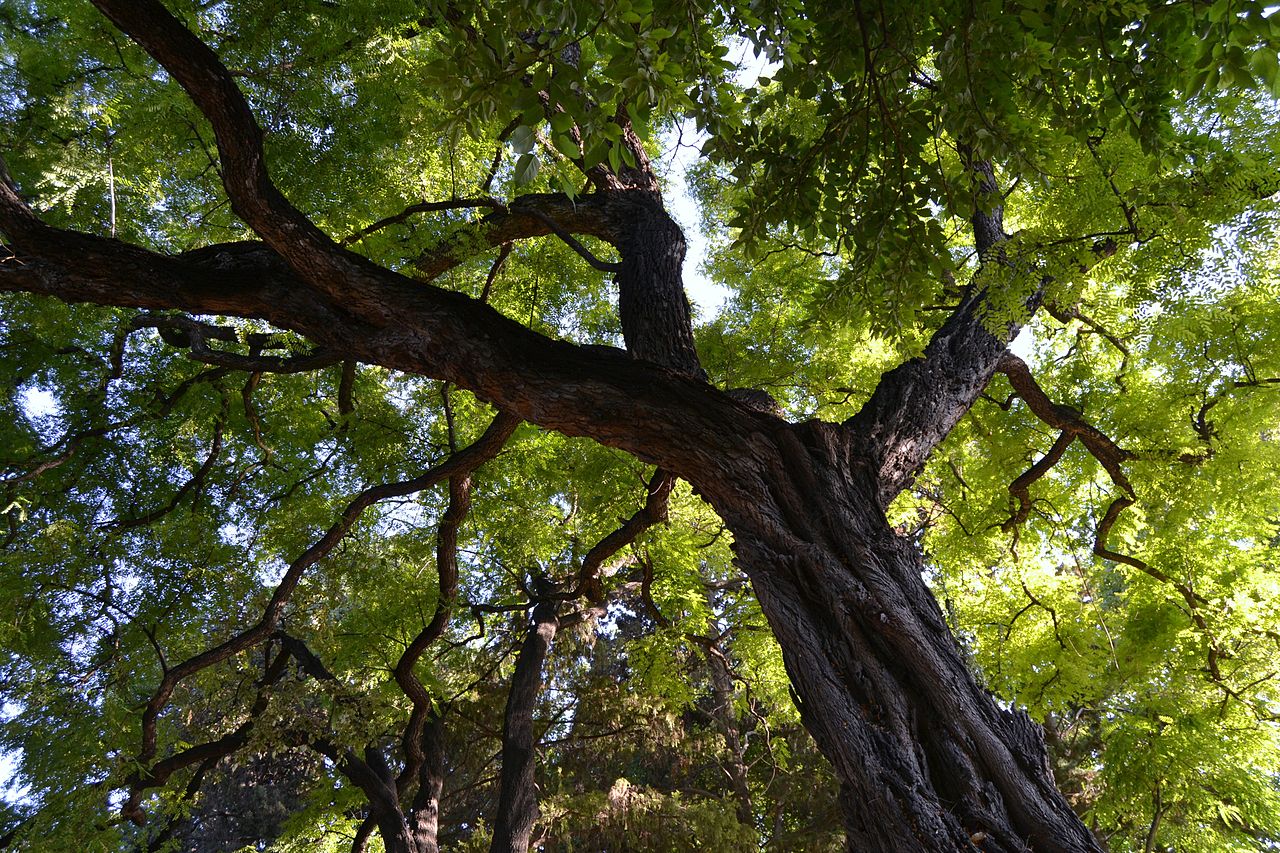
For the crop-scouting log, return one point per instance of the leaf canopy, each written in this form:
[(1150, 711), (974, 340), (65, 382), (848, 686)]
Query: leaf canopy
[(154, 498)]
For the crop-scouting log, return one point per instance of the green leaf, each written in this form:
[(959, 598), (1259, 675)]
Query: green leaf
[(526, 169), (522, 139)]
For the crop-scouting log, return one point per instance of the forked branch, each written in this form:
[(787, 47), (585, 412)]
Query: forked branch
[(1111, 456), (464, 460)]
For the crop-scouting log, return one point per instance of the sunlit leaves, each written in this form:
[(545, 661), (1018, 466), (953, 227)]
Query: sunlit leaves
[(1133, 145)]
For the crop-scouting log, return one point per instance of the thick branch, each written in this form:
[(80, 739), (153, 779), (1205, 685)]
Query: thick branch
[(255, 199), (917, 404), (372, 776), (681, 424), (1106, 451)]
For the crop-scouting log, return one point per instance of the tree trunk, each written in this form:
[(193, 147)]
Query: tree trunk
[(518, 795), (652, 306), (927, 760), (375, 778), (734, 762), (913, 739), (424, 822)]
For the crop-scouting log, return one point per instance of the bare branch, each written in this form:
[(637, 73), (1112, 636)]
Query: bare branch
[(503, 253), (570, 241), (422, 207), (447, 590), (186, 332), (1020, 488)]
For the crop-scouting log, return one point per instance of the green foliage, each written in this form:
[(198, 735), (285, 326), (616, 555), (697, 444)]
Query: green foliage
[(634, 818), (151, 503), (1108, 655)]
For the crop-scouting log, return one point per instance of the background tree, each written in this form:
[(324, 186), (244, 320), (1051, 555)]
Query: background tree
[(288, 518)]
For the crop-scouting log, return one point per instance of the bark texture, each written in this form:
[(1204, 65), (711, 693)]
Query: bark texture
[(927, 760), (655, 314), (424, 821), (517, 791)]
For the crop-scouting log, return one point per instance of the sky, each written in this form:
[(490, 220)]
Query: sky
[(681, 149)]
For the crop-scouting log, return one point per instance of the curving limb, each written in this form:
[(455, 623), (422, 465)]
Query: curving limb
[(1111, 456), (447, 589), (464, 459), (1020, 487), (653, 512), (194, 335)]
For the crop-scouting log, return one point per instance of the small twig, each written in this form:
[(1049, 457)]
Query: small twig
[(422, 207), (569, 240)]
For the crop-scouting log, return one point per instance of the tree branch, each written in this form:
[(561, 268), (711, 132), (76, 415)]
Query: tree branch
[(1067, 419), (313, 255), (526, 217), (1020, 488), (159, 773), (653, 512), (188, 333), (447, 590), (460, 461), (676, 422), (918, 403), (421, 207), (194, 484), (1111, 457)]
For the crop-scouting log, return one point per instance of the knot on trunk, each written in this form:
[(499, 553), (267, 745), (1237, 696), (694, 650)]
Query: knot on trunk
[(755, 398)]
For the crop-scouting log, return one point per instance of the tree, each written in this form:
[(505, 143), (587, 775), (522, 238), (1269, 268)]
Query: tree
[(966, 163)]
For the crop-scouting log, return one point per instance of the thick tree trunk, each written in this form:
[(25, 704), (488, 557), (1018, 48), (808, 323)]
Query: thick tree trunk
[(926, 758), (424, 820), (655, 314), (888, 698), (518, 795)]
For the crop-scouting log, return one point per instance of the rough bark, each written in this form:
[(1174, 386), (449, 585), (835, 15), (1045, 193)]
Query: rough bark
[(811, 587), (374, 777), (518, 793), (927, 760), (655, 314), (424, 820)]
